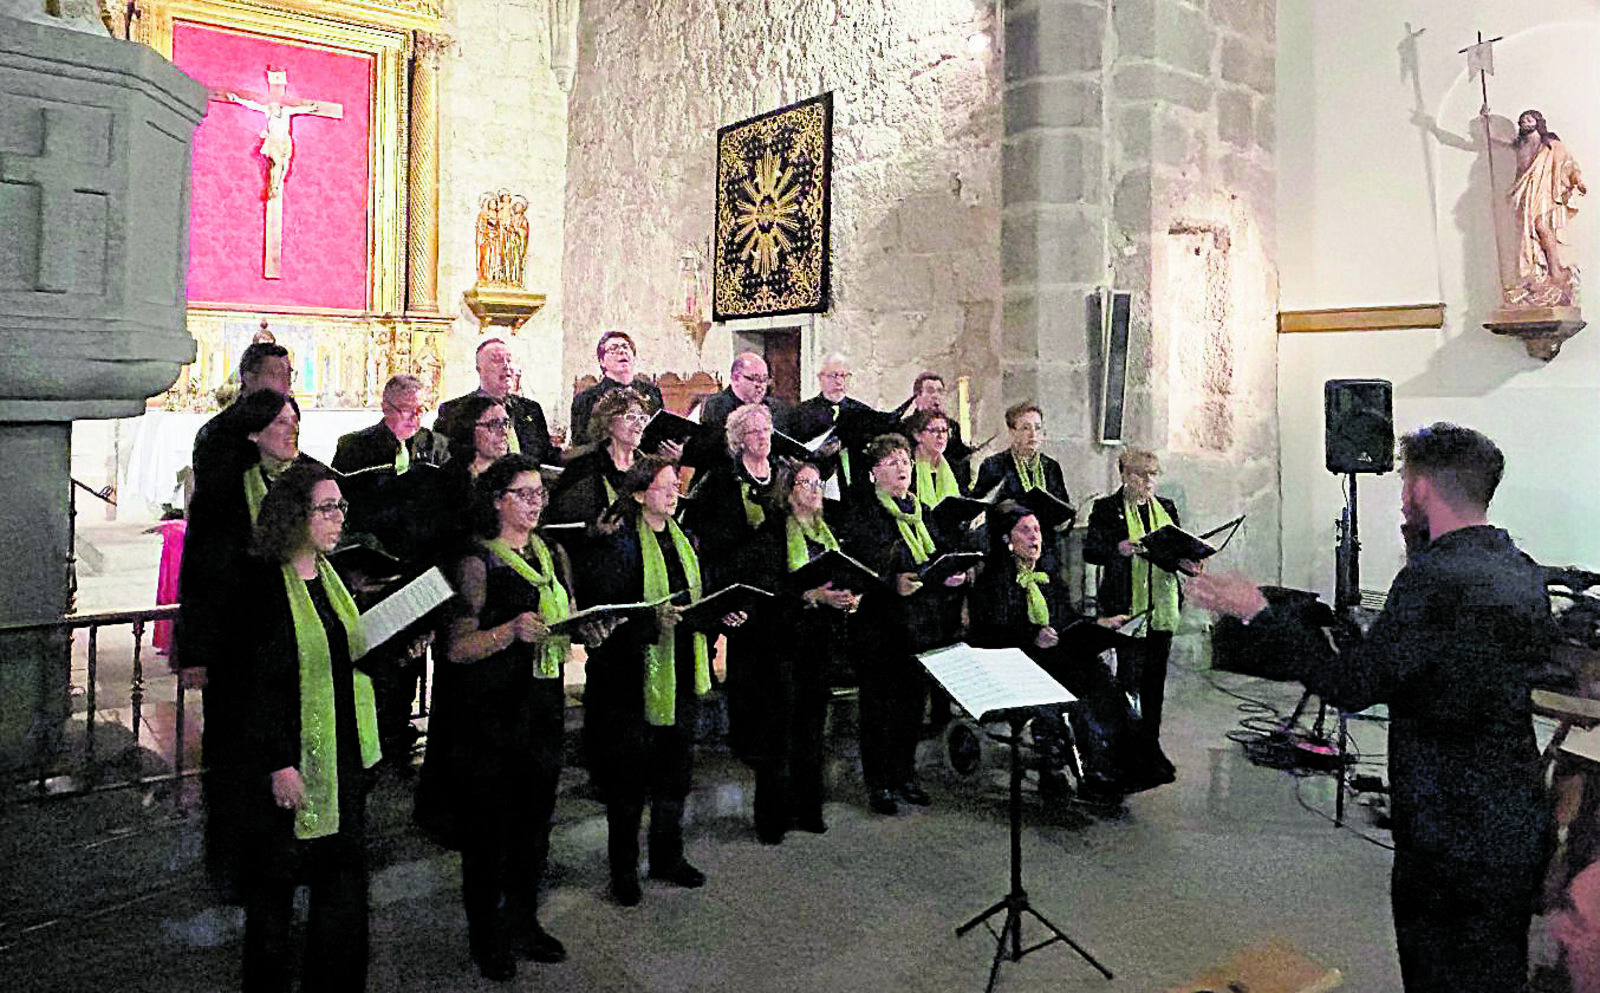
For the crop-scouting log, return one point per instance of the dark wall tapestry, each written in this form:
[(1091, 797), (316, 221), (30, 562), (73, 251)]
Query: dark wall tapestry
[(773, 192)]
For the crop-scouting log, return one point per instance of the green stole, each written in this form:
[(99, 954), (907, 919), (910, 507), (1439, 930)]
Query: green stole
[(553, 603), (514, 445), (661, 658), (754, 514), (912, 529), (844, 453), (1149, 584), (1030, 581), (1030, 471), (402, 459), (933, 484), (318, 816), (799, 534)]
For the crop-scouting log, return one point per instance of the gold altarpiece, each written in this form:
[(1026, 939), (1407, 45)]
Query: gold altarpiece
[(345, 355)]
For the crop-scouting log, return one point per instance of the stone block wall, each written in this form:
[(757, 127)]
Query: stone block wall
[(503, 125), (916, 173), (1138, 154)]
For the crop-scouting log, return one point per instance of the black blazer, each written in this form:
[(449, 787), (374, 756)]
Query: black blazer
[(1002, 468), (377, 445), (584, 402), (927, 618), (709, 446), (1108, 527), (527, 419)]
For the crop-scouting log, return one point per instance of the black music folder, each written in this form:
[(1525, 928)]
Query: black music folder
[(942, 567), (606, 611), (833, 566), (956, 513), (1169, 544), (706, 613), (1053, 512), (666, 426)]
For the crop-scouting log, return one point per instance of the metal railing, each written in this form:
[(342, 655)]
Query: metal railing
[(90, 773)]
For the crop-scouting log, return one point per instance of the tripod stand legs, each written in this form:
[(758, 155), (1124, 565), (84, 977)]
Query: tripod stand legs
[(1015, 905)]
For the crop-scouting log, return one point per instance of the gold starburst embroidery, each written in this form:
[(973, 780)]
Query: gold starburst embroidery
[(765, 215)]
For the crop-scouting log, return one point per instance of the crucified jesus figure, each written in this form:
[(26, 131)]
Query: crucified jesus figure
[(277, 147)]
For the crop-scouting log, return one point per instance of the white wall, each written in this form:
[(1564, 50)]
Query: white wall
[(1374, 209)]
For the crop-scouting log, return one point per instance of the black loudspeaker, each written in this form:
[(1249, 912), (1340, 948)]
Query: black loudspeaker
[(1358, 418)]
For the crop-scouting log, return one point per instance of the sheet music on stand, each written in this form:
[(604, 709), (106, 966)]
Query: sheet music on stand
[(988, 680), (397, 611)]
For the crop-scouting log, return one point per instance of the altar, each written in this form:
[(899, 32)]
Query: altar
[(161, 445)]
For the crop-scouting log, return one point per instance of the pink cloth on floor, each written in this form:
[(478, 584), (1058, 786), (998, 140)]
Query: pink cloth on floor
[(1578, 930), (172, 533)]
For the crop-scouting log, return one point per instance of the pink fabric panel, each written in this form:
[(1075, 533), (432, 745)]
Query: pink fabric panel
[(172, 533), (325, 196)]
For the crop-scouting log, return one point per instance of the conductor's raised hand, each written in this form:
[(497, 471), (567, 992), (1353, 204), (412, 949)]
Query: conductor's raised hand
[(1227, 593)]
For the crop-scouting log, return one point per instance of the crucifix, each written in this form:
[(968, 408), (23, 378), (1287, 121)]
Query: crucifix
[(277, 147)]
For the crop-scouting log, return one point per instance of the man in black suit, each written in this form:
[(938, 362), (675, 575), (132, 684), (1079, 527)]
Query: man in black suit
[(748, 381), (854, 422), (529, 433), (927, 393), (616, 354), (263, 366), (399, 439)]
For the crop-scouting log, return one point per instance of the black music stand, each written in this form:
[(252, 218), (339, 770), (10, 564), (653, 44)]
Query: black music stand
[(1015, 903), (970, 668)]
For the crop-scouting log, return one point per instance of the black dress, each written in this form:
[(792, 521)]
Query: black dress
[(272, 860), (494, 755)]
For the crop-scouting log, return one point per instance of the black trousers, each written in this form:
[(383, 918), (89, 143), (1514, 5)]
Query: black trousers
[(505, 846), (1101, 720), (893, 695), (661, 776), (1461, 927), (1147, 677), (789, 766), (334, 869)]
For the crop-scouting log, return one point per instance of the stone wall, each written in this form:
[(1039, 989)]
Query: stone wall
[(503, 125), (916, 215), (1138, 154)]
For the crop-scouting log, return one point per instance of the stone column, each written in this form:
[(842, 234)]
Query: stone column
[(95, 144), (1053, 223), (422, 201)]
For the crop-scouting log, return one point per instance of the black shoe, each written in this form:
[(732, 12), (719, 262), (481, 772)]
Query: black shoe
[(770, 835), (539, 945), (625, 891), (914, 794), (683, 874), (1098, 790), (1148, 778), (812, 825), (882, 802), (495, 964)]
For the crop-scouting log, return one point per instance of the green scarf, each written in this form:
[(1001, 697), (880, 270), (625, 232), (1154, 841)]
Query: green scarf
[(933, 484), (844, 453), (318, 816), (257, 480), (661, 670), (800, 534), (1162, 587), (553, 603), (754, 515), (402, 460), (1030, 471), (912, 530), (1030, 581)]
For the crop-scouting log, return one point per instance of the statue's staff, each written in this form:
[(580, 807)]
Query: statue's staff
[(1480, 63)]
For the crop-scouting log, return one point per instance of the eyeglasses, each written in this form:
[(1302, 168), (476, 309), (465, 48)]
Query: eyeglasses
[(758, 380), (617, 348), (834, 375), (328, 508), (897, 459), (634, 417), (1143, 473), (751, 432), (938, 431), (814, 485), (531, 495), (416, 411), (497, 426)]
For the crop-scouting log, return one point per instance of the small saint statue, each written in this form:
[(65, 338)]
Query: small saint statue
[(1543, 199)]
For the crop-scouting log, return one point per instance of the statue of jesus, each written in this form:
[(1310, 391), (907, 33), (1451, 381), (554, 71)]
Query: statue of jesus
[(1543, 198), (277, 143)]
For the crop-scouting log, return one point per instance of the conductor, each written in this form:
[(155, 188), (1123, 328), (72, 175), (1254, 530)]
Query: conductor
[(1465, 632)]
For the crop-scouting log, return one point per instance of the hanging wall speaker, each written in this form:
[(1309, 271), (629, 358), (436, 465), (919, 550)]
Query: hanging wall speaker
[(1358, 421)]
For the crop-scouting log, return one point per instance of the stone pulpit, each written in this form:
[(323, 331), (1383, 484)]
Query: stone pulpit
[(95, 138)]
